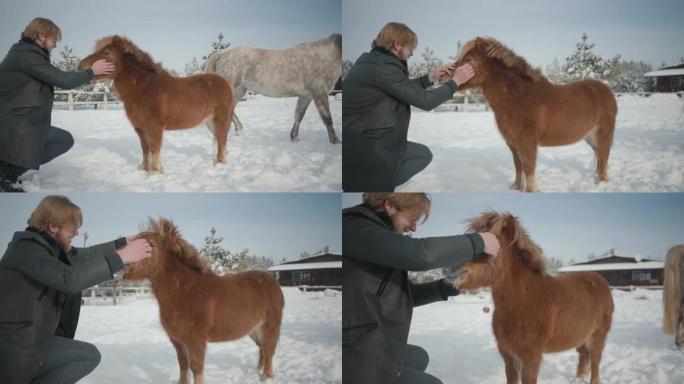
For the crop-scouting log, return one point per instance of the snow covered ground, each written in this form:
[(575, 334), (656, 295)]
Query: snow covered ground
[(457, 335), (107, 153), (135, 348), (470, 154)]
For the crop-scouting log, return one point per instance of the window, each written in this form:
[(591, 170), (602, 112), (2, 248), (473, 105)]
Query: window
[(641, 276), (301, 275)]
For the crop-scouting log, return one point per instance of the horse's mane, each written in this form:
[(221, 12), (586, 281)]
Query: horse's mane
[(494, 49), (126, 46), (172, 245), (506, 227)]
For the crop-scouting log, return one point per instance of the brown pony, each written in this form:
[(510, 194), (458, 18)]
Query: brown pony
[(535, 313), (673, 294), (196, 305), (155, 100), (530, 111)]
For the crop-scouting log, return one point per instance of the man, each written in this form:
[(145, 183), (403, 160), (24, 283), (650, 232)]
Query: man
[(27, 81), (41, 277), (378, 298), (376, 112)]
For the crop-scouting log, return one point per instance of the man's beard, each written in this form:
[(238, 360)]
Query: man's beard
[(63, 243)]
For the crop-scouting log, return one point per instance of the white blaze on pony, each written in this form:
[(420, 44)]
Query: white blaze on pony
[(530, 111), (534, 312), (197, 306), (307, 71)]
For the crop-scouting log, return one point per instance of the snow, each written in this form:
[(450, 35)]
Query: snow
[(470, 154), (262, 158), (665, 72), (298, 266), (458, 337), (613, 266), (135, 348)]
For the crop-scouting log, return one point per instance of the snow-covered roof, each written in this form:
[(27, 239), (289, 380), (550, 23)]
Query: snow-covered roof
[(613, 266), (300, 266), (665, 72)]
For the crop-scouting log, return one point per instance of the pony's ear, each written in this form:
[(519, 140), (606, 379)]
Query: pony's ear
[(482, 44), (483, 223), (179, 248), (530, 253)]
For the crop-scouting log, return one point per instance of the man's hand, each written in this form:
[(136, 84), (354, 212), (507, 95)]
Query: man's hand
[(103, 67), (491, 243), (463, 73), (134, 251), (445, 70)]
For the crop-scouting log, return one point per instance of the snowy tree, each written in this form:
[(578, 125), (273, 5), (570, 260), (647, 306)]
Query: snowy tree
[(629, 77), (429, 63), (554, 265), (584, 63), (66, 61), (555, 73), (195, 67), (219, 259), (459, 45)]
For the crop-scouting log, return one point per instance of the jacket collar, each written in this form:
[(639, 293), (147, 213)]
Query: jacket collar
[(366, 211), (31, 42), (383, 51)]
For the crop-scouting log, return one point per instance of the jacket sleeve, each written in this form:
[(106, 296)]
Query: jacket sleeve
[(40, 69), (392, 80), (426, 293), (370, 242), (106, 250), (423, 81), (36, 262)]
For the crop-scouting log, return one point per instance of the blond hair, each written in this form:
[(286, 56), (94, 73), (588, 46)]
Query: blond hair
[(398, 32), (55, 210), (672, 288), (43, 26), (417, 204)]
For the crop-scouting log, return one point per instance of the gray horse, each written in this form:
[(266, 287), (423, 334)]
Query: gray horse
[(308, 71)]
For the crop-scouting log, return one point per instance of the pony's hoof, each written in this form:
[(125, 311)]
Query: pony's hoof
[(142, 167), (335, 140), (516, 186)]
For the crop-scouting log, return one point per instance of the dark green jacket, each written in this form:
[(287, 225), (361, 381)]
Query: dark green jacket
[(378, 299), (36, 280), (375, 119), (27, 81)]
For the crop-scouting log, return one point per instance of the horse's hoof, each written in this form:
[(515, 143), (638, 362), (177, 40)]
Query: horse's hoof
[(335, 140), (516, 187)]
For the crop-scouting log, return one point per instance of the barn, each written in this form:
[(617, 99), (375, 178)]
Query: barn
[(317, 272), (623, 271), (667, 79)]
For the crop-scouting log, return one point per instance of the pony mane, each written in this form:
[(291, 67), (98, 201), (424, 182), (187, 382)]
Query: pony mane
[(172, 245), (492, 48), (126, 46), (506, 226)]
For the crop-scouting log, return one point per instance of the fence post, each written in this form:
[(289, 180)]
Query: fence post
[(104, 100), (71, 101)]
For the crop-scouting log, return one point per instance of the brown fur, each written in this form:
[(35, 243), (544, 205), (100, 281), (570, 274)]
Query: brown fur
[(197, 306), (673, 294), (535, 312), (156, 101), (531, 112)]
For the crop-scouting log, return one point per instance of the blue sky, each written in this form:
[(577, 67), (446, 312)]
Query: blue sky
[(274, 225), (569, 225), (173, 31), (538, 30)]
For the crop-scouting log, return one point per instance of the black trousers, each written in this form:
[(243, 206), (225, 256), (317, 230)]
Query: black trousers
[(415, 363), (66, 361), (57, 143), (416, 158)]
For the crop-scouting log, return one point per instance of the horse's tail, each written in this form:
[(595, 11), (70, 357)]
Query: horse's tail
[(211, 63)]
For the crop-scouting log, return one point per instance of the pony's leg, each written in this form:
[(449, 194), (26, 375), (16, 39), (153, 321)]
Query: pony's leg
[(517, 184), (155, 143), (598, 341), (220, 126), (239, 94), (270, 331), (512, 367), (145, 149), (528, 158), (183, 362), (530, 369), (302, 103), (196, 350), (583, 365), (321, 101), (604, 140), (256, 337)]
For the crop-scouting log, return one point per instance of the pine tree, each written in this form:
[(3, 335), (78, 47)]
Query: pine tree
[(66, 61), (216, 47), (555, 73), (429, 63), (218, 258), (346, 66), (192, 68), (629, 77), (585, 64)]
